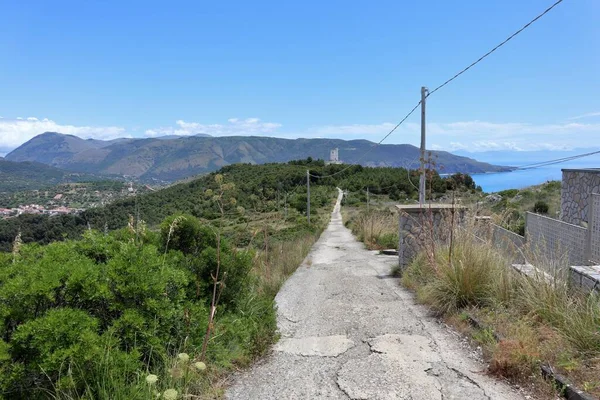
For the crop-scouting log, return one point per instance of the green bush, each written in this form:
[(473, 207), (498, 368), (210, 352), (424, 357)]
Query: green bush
[(184, 232), (89, 316), (388, 240), (509, 193), (234, 272), (541, 207)]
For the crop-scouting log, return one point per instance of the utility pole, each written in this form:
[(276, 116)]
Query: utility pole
[(308, 196), (285, 205), (367, 200), (422, 178)]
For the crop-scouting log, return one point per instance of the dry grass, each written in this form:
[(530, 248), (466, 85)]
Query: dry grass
[(377, 229), (277, 262), (541, 321)]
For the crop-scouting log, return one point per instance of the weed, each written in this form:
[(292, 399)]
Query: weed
[(484, 336), (539, 318), (377, 229)]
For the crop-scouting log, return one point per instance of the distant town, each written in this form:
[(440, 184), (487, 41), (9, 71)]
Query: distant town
[(37, 209), (65, 199)]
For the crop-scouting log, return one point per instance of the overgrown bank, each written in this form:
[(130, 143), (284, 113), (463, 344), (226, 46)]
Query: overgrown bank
[(538, 322)]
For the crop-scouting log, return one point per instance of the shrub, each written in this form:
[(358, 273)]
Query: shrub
[(388, 240), (474, 276), (55, 341), (235, 268), (540, 207), (185, 233), (509, 193)]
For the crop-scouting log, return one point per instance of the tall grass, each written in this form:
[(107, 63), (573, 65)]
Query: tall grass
[(377, 229), (473, 276), (541, 317), (275, 263)]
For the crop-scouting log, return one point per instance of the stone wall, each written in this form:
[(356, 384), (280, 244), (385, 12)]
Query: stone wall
[(576, 194), (419, 226), (555, 239)]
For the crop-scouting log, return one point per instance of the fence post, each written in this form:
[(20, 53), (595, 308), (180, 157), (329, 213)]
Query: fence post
[(592, 233)]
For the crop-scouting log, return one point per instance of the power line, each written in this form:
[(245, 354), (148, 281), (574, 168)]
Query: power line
[(495, 48), (371, 149), (556, 161), (446, 83)]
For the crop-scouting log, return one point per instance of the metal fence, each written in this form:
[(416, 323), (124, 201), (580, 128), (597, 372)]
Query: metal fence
[(556, 239), (509, 243)]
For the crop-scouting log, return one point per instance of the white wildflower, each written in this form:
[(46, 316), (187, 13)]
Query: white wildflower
[(200, 366)]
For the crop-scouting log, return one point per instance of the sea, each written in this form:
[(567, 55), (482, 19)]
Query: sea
[(495, 182)]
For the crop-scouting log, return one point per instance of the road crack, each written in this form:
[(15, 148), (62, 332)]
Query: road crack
[(468, 378)]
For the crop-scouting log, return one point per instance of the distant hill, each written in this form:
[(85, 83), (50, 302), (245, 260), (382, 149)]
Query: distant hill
[(18, 176), (172, 159)]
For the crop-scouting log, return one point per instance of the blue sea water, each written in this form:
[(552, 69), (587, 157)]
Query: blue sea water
[(523, 178)]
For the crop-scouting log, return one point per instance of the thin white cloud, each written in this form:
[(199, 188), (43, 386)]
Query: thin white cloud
[(233, 127), (477, 136), (474, 136), (14, 132), (588, 115)]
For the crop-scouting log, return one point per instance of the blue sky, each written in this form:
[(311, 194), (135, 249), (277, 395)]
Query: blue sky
[(344, 69)]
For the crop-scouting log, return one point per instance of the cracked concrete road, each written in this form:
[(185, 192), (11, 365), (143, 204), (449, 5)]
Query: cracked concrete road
[(349, 331)]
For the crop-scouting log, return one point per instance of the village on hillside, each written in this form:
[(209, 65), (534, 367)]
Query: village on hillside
[(71, 198)]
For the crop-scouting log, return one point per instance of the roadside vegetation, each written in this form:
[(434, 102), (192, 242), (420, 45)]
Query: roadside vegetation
[(509, 206), (376, 225), (525, 322), (141, 312), (539, 321), (168, 292)]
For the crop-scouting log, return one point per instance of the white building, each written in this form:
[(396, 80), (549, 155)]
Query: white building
[(334, 156)]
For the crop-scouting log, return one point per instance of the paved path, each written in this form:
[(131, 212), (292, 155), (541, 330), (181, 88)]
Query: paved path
[(349, 331)]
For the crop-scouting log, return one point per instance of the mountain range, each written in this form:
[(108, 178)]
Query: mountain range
[(175, 158)]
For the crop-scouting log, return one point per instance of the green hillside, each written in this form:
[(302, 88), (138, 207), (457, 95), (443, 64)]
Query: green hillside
[(267, 188), (18, 176)]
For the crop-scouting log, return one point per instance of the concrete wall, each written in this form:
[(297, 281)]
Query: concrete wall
[(418, 226), (576, 194), (556, 239), (586, 278)]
